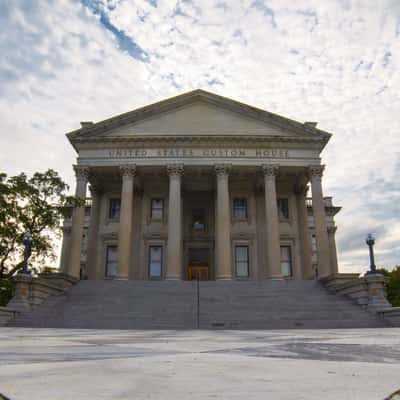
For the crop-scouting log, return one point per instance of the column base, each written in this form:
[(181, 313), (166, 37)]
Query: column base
[(224, 278), (173, 278), (275, 278)]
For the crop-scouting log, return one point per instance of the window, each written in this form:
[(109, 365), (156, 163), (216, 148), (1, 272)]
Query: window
[(157, 208), (242, 261), (314, 253), (314, 244), (111, 261), (199, 219), (114, 209), (240, 208), (283, 208), (155, 261), (286, 261)]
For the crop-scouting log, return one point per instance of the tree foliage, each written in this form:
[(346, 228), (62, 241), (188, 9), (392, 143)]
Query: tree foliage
[(34, 204), (393, 288)]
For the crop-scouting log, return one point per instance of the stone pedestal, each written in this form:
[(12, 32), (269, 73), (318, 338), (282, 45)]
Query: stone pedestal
[(21, 299), (376, 286)]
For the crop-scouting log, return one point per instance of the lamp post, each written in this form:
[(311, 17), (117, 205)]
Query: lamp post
[(27, 241), (370, 240)]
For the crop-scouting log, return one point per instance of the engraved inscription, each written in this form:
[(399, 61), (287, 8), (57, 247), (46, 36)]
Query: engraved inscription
[(199, 153)]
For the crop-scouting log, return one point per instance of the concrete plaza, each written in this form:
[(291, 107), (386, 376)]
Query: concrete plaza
[(286, 364)]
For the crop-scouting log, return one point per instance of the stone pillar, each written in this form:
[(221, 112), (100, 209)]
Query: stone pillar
[(91, 252), (304, 234), (65, 249), (21, 300), (78, 216), (128, 173), (223, 225), (274, 270), (174, 249), (321, 232), (332, 249), (377, 296)]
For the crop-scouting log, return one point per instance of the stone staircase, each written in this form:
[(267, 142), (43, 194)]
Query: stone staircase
[(174, 305)]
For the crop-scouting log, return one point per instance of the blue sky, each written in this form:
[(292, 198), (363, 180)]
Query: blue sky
[(335, 62)]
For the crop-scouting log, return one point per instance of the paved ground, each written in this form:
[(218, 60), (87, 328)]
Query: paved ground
[(297, 364)]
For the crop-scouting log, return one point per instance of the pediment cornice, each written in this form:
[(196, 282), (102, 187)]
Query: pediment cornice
[(201, 139), (99, 130)]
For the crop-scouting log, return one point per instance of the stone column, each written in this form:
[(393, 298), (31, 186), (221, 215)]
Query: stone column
[(174, 249), (128, 173), (65, 249), (321, 232), (274, 270), (304, 234), (78, 216), (332, 248), (223, 225), (91, 252)]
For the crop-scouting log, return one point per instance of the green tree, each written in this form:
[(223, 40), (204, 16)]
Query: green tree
[(393, 286), (34, 204)]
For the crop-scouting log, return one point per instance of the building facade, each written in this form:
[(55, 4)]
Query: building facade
[(199, 187)]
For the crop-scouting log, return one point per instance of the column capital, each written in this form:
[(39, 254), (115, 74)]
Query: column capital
[(222, 170), (81, 172), (270, 170), (128, 170), (316, 171), (175, 170)]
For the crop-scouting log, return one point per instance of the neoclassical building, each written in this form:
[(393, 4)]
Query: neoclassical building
[(199, 186)]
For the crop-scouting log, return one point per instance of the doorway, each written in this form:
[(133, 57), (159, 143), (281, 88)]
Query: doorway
[(199, 264)]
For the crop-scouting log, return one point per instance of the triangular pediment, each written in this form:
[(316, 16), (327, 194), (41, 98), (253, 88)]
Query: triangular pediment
[(198, 118), (197, 113)]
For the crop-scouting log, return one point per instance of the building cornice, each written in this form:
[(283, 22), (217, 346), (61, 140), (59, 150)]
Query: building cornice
[(95, 131), (200, 139)]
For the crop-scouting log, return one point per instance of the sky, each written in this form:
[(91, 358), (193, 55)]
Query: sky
[(332, 61)]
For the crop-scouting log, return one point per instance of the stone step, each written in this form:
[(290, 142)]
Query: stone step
[(173, 305)]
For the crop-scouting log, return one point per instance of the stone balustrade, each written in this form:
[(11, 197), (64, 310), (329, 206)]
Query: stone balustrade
[(30, 292), (6, 315), (391, 314), (333, 281), (368, 291)]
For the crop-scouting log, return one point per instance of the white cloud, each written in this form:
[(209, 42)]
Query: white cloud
[(335, 62)]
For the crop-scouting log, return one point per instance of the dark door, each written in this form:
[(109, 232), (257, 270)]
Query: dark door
[(198, 264)]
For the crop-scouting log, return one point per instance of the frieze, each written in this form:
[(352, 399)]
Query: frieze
[(198, 153)]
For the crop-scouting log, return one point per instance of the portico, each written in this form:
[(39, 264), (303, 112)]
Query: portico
[(199, 186)]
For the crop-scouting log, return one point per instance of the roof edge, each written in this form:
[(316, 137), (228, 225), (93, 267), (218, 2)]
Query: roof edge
[(175, 101)]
